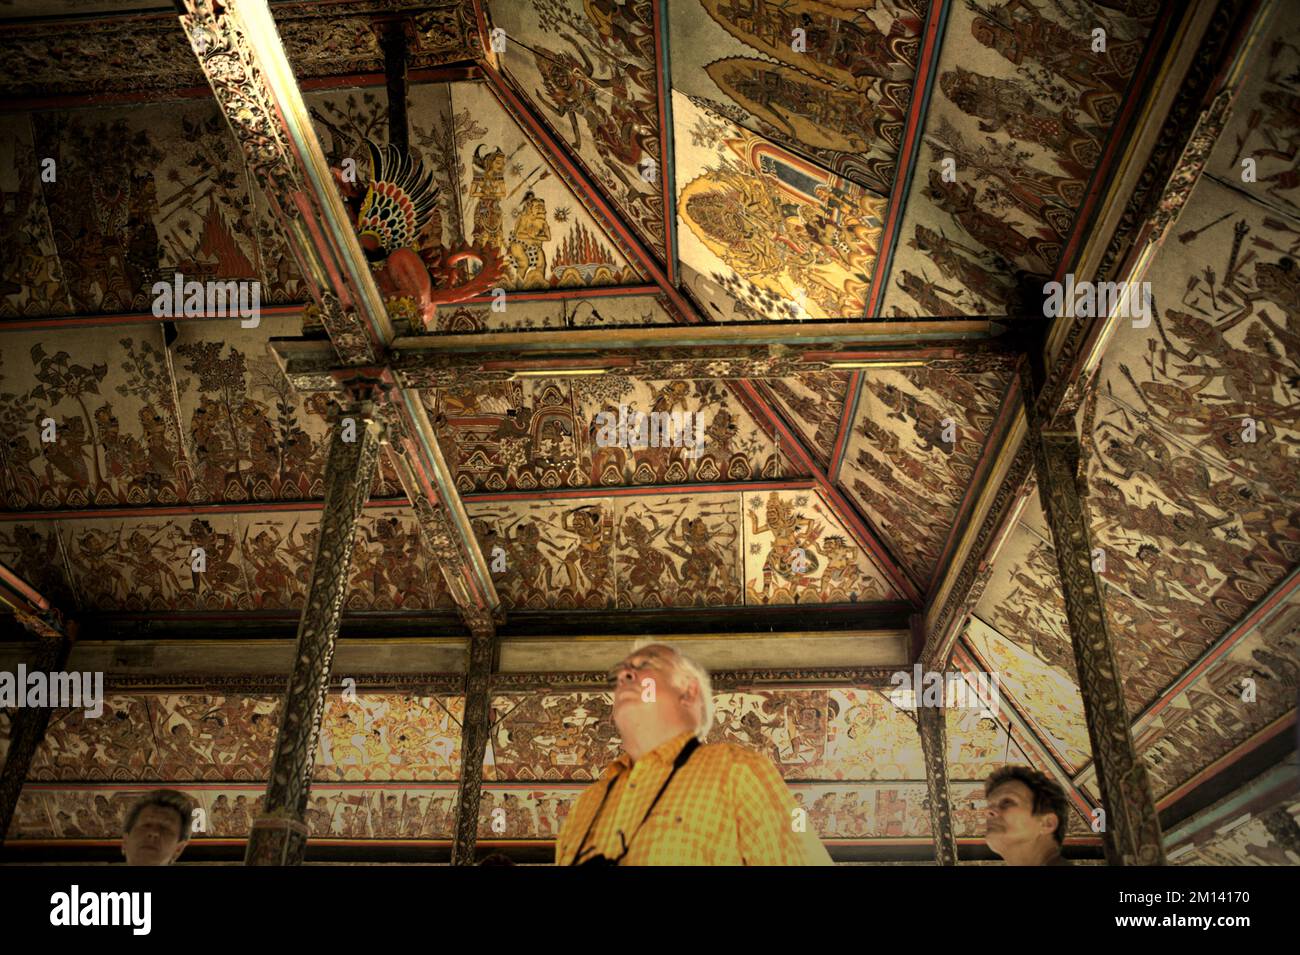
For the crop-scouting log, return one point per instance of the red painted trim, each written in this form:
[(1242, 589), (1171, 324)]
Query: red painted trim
[(906, 155), (664, 133), (22, 589), (992, 445), (851, 398), (1279, 725)]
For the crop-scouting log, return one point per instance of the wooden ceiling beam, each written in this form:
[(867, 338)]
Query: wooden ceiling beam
[(125, 628), (657, 353), (806, 658), (37, 614), (239, 51)]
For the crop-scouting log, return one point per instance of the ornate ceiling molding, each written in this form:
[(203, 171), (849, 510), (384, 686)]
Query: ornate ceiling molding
[(83, 56)]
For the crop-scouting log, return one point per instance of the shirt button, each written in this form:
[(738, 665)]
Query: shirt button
[(679, 818), (631, 785)]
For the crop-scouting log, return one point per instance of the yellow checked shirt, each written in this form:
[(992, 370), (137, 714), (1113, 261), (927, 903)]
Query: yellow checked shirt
[(727, 806)]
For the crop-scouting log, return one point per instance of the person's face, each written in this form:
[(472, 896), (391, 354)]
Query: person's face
[(155, 839), (1010, 819), (633, 698)]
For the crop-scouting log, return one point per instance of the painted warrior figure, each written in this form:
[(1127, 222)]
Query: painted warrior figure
[(791, 558), (489, 188)]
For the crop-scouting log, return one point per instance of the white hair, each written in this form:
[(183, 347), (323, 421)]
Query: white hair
[(684, 670)]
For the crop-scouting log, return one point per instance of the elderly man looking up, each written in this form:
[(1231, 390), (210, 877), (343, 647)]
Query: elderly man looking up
[(670, 799)]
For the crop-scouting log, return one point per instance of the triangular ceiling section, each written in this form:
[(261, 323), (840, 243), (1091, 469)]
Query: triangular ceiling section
[(837, 95), (917, 438), (589, 70), (813, 403), (712, 548), (494, 188), (763, 233), (544, 434), (1025, 113)]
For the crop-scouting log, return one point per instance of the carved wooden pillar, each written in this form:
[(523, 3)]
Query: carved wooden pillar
[(934, 747), (1132, 827), (29, 724), (473, 739), (279, 835)]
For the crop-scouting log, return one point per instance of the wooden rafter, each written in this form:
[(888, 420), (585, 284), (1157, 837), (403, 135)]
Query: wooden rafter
[(909, 150), (241, 54)]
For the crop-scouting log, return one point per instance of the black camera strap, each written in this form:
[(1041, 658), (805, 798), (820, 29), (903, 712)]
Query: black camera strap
[(678, 763)]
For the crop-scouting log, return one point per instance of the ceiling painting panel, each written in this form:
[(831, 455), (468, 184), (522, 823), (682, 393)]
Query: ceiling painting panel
[(841, 100), (387, 736), (1265, 839), (31, 550), (1024, 602), (1045, 694), (117, 744), (558, 554), (1023, 115), (814, 404), (543, 434), (588, 68), (1216, 367), (31, 276), (512, 201), (1258, 151), (158, 564), (1189, 546), (90, 420), (797, 551), (784, 237), (1240, 693), (679, 551), (145, 193), (912, 452)]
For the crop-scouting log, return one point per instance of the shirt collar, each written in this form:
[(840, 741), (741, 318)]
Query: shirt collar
[(664, 753)]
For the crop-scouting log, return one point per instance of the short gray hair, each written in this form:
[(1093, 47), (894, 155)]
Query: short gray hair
[(685, 669)]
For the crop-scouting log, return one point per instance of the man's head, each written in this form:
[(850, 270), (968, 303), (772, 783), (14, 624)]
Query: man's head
[(659, 688), (157, 828), (1025, 811)]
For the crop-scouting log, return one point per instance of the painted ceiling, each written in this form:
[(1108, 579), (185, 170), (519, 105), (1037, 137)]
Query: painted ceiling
[(765, 161)]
